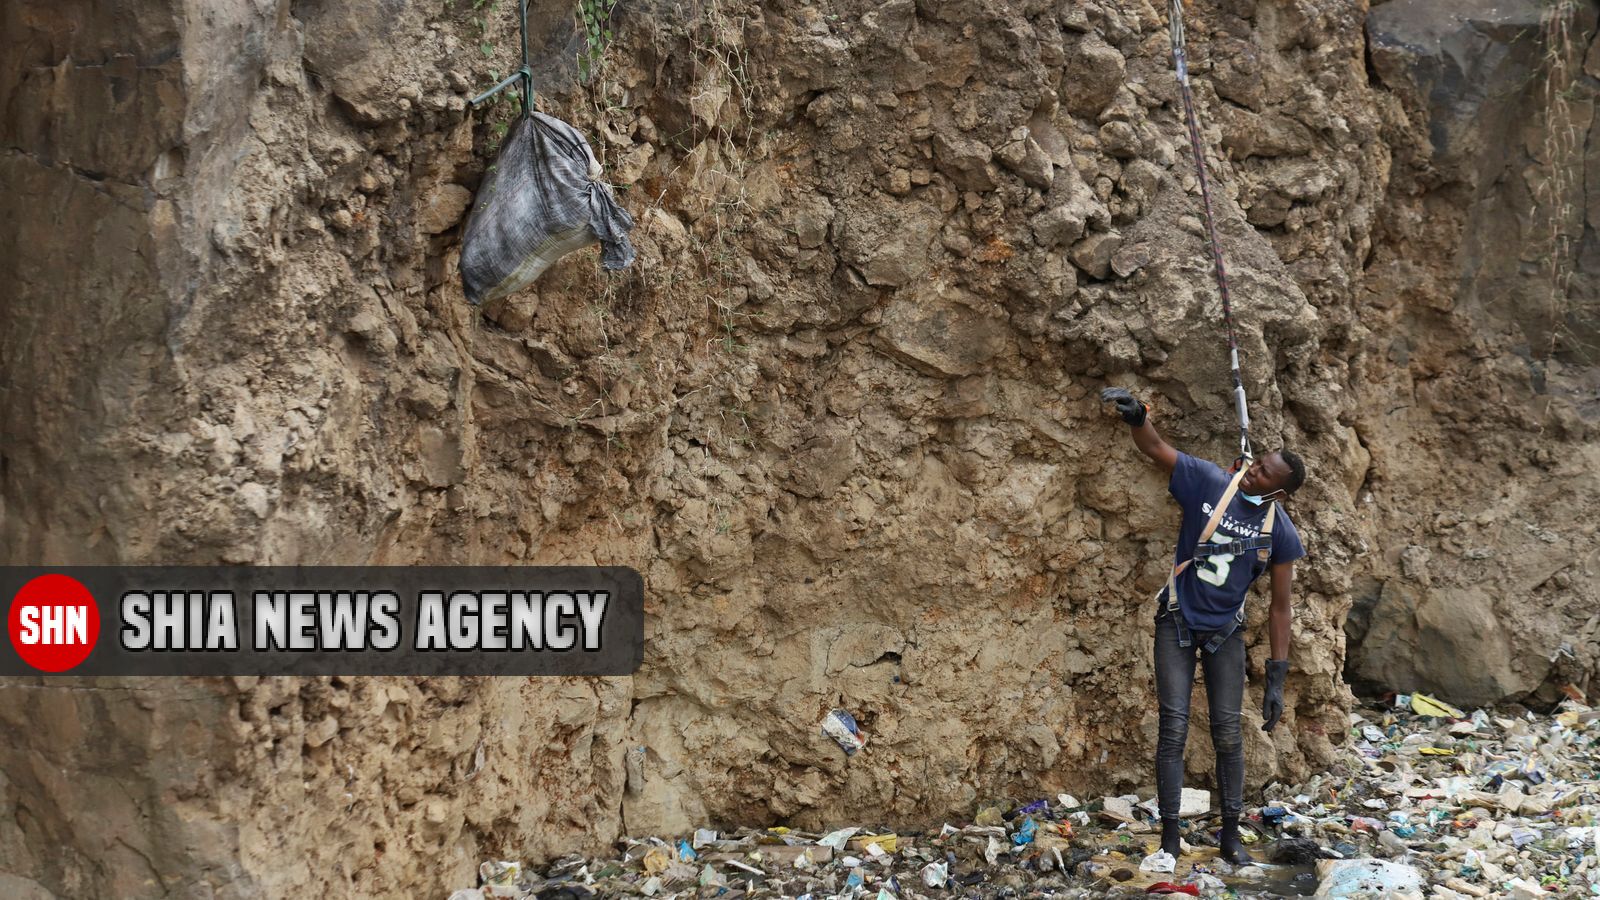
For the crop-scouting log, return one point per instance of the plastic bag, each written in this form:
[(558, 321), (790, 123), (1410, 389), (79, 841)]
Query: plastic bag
[(541, 200)]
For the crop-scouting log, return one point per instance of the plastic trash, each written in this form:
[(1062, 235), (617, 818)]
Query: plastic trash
[(1035, 808), (1365, 878), (1167, 887), (685, 852), (1518, 801), (841, 726), (1423, 705), (540, 200), (885, 843), (1159, 861), (991, 853), (1026, 833), (835, 840), (500, 872)]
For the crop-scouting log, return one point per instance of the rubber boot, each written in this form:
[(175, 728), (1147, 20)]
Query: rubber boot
[(1231, 847), (1172, 836)]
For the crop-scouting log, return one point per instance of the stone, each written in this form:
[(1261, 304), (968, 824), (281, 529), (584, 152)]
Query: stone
[(322, 732), (1027, 159), (441, 454), (1119, 139), (1093, 74), (965, 161), (442, 208), (1130, 258), (888, 247), (1525, 889), (1093, 253), (1057, 225), (935, 331), (1118, 808)]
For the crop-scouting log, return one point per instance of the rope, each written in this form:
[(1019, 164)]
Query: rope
[(1180, 61), (523, 77)]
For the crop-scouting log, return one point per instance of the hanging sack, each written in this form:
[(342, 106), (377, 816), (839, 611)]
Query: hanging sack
[(540, 200)]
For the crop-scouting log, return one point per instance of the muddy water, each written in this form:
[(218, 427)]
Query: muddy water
[(1279, 880)]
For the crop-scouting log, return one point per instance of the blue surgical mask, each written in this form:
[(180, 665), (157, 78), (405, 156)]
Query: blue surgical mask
[(1252, 498)]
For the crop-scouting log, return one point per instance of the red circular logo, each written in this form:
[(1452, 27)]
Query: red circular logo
[(54, 623)]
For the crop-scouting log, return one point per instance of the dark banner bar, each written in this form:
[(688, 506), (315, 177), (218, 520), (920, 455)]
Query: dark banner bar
[(332, 620)]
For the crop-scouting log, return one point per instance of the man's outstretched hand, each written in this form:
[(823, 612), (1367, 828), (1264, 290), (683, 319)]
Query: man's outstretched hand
[(1272, 704), (1133, 412)]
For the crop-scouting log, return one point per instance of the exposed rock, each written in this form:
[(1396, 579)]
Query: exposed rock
[(1024, 156), (830, 400), (443, 208), (1058, 225), (966, 161), (1093, 74), (889, 247), (941, 331), (1093, 253)]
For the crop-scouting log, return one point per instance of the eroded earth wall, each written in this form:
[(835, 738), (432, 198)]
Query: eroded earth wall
[(842, 414)]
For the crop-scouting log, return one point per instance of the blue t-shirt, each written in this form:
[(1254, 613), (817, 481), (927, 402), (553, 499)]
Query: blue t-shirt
[(1211, 590)]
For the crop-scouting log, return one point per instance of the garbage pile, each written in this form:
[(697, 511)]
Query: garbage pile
[(1426, 801)]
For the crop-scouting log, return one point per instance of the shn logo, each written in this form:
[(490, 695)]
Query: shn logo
[(53, 623)]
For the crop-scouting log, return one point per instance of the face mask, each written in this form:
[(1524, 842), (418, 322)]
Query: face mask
[(1252, 498)]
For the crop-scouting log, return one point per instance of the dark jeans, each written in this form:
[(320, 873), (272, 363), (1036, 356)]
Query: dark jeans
[(1224, 672)]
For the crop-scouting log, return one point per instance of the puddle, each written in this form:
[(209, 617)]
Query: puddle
[(1279, 880)]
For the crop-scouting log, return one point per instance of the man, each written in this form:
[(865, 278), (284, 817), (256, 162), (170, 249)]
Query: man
[(1204, 617)]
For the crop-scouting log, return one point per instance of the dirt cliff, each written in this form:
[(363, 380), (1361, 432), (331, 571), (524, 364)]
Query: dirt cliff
[(842, 414)]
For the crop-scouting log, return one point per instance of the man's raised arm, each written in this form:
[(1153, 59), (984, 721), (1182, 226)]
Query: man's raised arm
[(1137, 415)]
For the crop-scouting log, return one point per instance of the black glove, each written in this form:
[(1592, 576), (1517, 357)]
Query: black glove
[(1133, 412), (1272, 705)]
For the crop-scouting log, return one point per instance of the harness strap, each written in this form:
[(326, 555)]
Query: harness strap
[(1205, 535), (1235, 548), (1261, 544), (1264, 554)]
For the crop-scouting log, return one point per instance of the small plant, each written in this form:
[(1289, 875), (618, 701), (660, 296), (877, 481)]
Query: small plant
[(595, 16)]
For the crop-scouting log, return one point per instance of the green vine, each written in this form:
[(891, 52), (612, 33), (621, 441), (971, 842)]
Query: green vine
[(595, 19)]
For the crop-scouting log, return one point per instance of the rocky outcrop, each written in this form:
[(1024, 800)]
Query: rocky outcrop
[(842, 413), (1478, 375)]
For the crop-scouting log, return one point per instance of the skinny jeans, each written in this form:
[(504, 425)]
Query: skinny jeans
[(1224, 676)]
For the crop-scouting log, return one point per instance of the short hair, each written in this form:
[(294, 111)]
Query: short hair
[(1297, 470)]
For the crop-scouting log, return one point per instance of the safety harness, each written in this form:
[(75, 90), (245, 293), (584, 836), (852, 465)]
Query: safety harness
[(1262, 545)]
